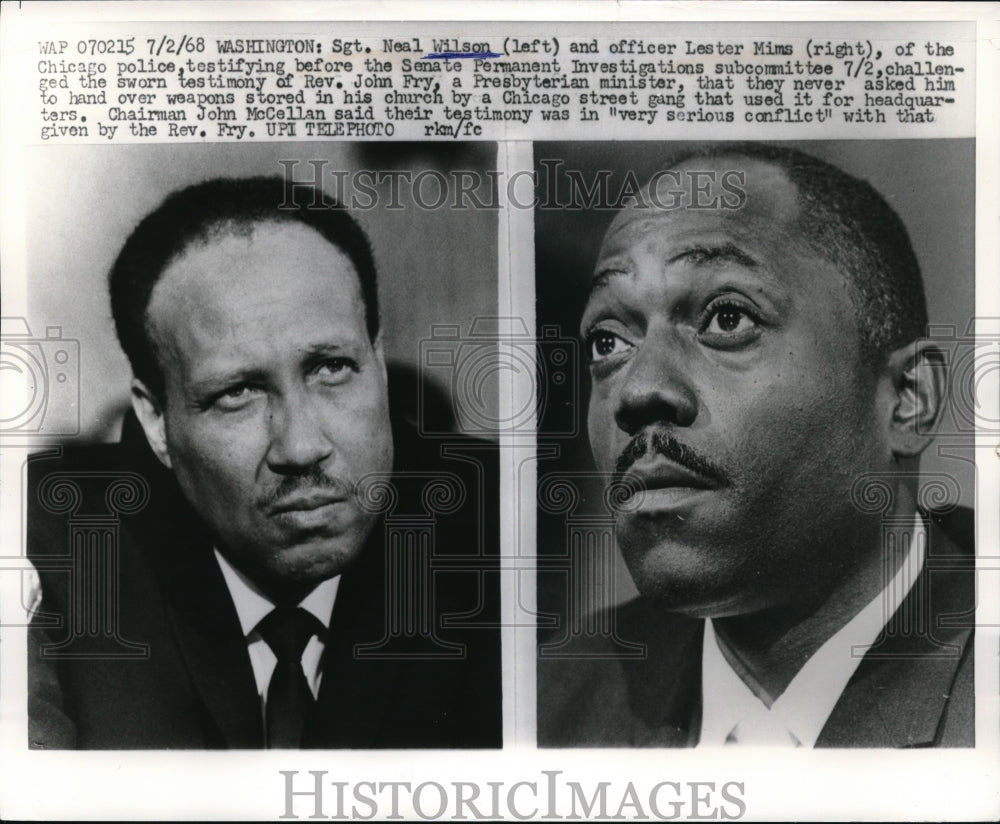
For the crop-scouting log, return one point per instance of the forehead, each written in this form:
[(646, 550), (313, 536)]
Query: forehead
[(653, 253), (698, 197), (259, 271), (701, 231)]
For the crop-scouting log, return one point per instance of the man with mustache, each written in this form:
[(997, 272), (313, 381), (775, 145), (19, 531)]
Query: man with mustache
[(260, 595), (757, 372)]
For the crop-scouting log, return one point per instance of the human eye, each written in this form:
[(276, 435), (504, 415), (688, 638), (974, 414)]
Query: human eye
[(730, 323), (602, 344), (333, 371), (235, 397)]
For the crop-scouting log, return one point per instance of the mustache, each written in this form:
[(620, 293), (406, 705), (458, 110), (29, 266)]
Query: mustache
[(313, 479), (665, 444)]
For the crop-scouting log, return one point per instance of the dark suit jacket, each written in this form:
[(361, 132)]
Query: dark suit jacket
[(144, 648), (913, 689)]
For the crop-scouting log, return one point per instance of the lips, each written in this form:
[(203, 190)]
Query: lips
[(657, 472), (657, 483), (308, 502)]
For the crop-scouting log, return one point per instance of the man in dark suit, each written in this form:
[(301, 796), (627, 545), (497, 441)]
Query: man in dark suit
[(266, 559), (761, 396)]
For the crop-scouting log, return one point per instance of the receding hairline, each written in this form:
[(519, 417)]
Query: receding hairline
[(801, 237), (242, 227), (235, 228), (245, 228), (686, 162)]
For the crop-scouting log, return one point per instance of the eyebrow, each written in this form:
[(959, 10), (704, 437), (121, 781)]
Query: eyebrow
[(310, 354), (701, 255), (316, 352), (218, 383), (698, 254)]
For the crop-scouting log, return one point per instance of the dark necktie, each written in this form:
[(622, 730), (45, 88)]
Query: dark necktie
[(287, 632)]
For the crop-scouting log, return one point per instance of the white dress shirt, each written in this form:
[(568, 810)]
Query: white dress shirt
[(733, 714), (252, 606)]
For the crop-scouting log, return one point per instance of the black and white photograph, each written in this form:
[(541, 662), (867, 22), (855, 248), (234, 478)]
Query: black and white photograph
[(499, 411), (269, 531), (767, 358)]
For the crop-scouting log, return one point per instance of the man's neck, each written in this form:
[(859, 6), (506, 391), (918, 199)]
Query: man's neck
[(767, 649)]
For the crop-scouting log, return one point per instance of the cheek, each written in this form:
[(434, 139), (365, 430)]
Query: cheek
[(804, 430), (359, 425), (215, 462), (603, 432)]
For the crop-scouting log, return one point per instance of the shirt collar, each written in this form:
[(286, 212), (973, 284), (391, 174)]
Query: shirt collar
[(807, 702), (725, 699), (252, 605)]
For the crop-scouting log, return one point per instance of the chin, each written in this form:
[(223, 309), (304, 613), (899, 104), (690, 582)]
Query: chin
[(302, 566), (695, 598), (685, 579), (317, 561)]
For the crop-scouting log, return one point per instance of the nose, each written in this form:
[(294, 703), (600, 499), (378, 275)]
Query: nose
[(298, 437), (656, 388)]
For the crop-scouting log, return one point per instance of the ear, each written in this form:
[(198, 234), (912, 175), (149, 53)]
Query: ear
[(919, 383), (380, 356), (150, 414)]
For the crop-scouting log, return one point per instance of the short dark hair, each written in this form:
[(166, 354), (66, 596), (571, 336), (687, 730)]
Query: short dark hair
[(202, 211), (847, 222)]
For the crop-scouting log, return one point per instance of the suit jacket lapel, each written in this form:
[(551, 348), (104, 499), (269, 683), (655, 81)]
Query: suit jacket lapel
[(357, 686), (664, 688), (899, 693), (212, 644), (205, 625)]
